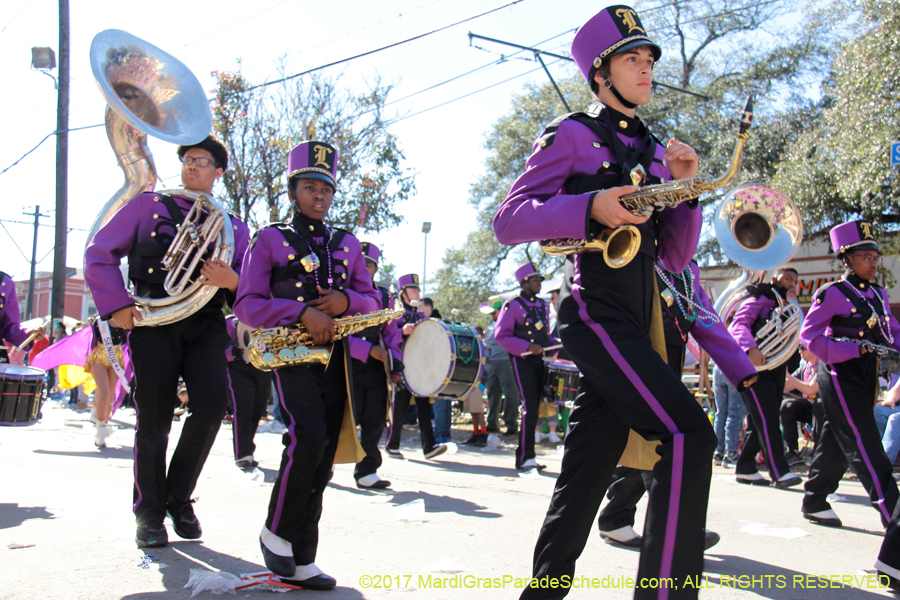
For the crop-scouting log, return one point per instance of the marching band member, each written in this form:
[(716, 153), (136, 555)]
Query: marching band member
[(409, 296), (193, 348), (580, 167), (686, 310), (308, 272), (250, 390), (371, 364), (11, 330), (853, 307), (763, 400), (523, 330)]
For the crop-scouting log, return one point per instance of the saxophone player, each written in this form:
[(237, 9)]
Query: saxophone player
[(193, 348), (853, 307), (763, 400), (580, 167), (308, 272)]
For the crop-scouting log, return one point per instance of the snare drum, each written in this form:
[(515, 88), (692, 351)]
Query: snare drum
[(560, 381), (20, 394), (442, 359)]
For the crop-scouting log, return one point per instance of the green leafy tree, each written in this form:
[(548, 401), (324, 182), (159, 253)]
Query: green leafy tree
[(839, 167), (260, 126)]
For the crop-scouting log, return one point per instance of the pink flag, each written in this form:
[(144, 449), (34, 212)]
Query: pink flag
[(71, 350)]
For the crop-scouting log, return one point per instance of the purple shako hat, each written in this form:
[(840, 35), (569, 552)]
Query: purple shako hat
[(411, 280), (525, 271), (613, 30), (313, 160), (853, 235), (371, 252)]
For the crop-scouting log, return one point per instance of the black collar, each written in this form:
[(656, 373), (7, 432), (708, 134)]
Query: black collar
[(526, 296), (305, 225), (857, 282), (633, 127)]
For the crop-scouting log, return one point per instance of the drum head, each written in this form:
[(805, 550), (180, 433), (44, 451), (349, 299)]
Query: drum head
[(20, 373), (426, 358)]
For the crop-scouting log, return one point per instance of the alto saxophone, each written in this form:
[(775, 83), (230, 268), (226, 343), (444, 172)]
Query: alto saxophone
[(292, 345), (621, 244)]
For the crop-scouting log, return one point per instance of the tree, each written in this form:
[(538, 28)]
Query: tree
[(260, 126), (838, 168), (711, 47)]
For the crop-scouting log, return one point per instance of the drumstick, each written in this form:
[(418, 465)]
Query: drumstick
[(547, 349)]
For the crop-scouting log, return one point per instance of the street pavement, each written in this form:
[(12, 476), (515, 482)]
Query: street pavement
[(70, 504)]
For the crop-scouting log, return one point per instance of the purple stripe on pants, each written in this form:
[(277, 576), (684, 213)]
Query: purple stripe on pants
[(668, 553), (290, 451), (765, 435), (233, 414), (862, 449), (674, 501), (524, 409), (137, 425)]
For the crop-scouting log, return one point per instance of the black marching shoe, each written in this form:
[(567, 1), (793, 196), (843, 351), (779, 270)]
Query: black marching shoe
[(472, 441), (283, 566), (482, 440), (151, 535), (184, 521), (372, 482), (318, 582)]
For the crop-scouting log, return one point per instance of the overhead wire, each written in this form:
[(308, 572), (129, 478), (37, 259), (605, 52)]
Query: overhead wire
[(382, 48), (27, 2), (44, 140)]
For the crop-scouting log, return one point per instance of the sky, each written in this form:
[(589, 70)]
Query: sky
[(443, 144), (441, 131)]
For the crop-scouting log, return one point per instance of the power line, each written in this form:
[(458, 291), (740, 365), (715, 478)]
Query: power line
[(27, 2), (353, 33), (46, 137), (470, 94), (40, 224), (244, 20), (395, 44)]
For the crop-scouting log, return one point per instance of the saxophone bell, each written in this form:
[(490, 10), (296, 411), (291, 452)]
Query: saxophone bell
[(619, 245)]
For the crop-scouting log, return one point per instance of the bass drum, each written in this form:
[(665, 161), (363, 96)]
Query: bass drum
[(443, 360), (21, 389)]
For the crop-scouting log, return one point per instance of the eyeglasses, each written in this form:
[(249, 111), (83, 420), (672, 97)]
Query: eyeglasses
[(200, 162), (868, 258)]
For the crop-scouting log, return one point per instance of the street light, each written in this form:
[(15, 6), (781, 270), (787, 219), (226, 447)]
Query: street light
[(43, 59), (426, 227)]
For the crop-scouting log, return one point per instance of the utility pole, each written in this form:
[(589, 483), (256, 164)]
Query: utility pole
[(58, 294), (29, 312)]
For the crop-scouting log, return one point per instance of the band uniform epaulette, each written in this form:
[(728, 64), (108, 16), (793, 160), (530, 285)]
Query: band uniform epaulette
[(254, 237), (549, 133), (820, 293)]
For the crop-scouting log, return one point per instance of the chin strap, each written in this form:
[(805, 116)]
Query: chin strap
[(620, 97)]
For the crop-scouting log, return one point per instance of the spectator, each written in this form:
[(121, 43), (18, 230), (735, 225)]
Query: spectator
[(798, 409), (498, 378), (730, 413)]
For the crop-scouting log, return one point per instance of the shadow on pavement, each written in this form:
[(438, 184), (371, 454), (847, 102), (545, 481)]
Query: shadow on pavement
[(181, 556), (13, 515), (433, 503), (772, 581), (122, 453)]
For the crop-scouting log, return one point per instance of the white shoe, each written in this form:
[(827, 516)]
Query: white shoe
[(538, 437), (554, 439), (626, 536), (100, 435)]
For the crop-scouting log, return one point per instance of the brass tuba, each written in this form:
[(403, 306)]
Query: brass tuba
[(621, 244), (760, 229), (150, 92)]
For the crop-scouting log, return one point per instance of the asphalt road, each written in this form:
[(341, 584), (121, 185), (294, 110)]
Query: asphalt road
[(71, 505)]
